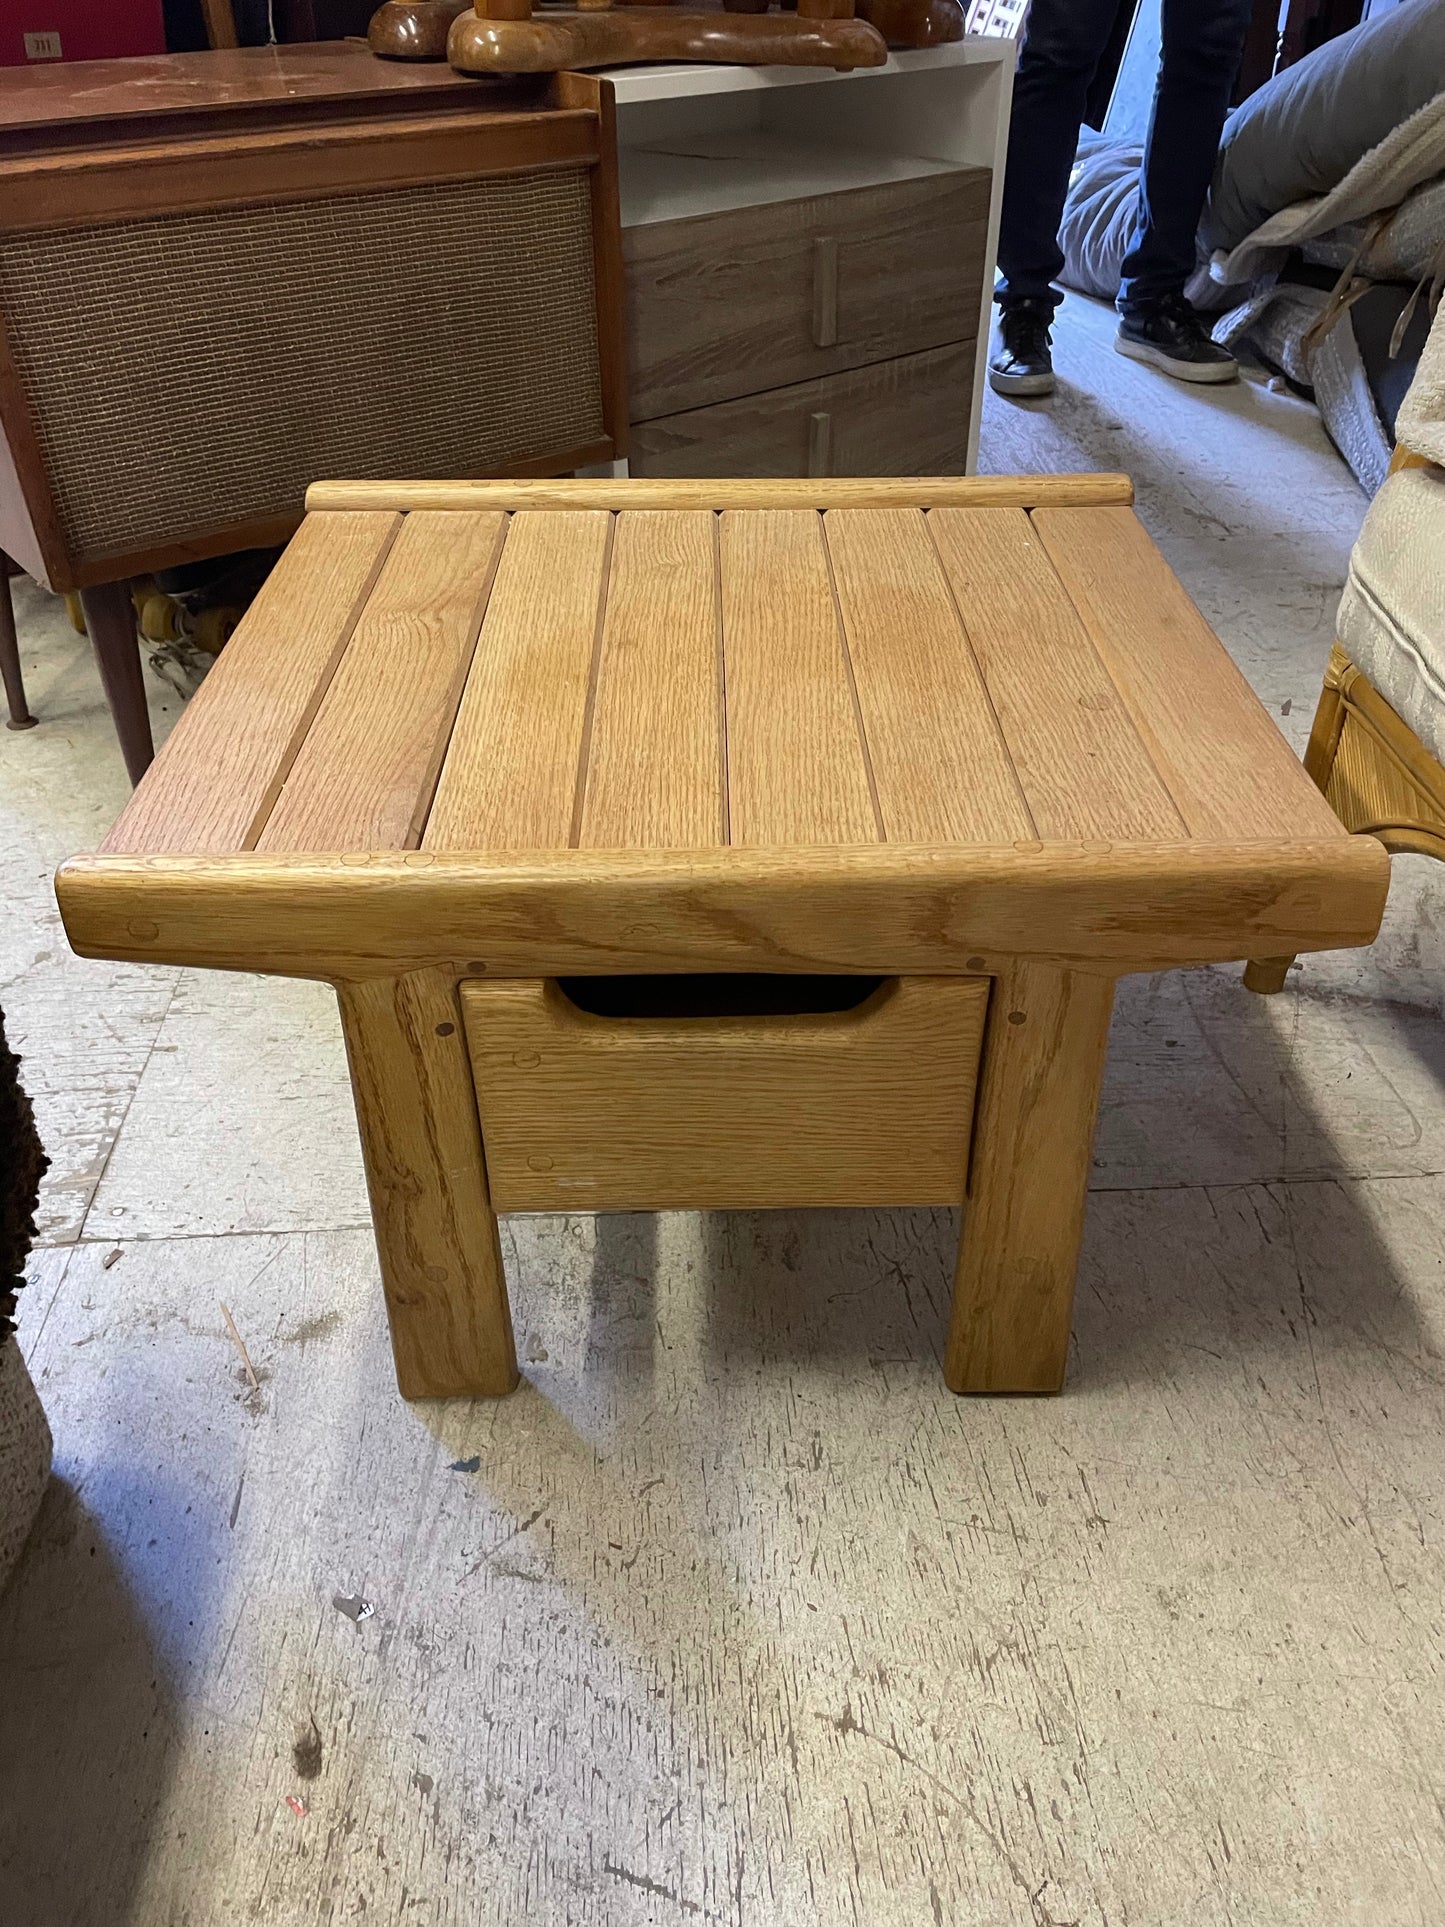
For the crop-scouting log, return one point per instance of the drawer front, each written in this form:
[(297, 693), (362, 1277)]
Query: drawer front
[(722, 305), (583, 1113), (907, 417)]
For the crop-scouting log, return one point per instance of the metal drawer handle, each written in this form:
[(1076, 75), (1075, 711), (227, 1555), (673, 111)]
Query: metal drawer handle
[(825, 293), (820, 444)]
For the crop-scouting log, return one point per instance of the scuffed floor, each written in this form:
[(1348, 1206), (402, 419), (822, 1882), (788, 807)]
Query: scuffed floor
[(732, 1614)]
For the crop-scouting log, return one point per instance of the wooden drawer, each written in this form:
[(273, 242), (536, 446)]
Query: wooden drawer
[(722, 305), (870, 1106), (906, 417)]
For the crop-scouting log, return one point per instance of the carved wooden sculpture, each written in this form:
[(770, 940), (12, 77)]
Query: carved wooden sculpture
[(413, 29), (911, 23), (509, 37)]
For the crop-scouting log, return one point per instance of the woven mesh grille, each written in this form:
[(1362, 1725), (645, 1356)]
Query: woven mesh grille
[(195, 370)]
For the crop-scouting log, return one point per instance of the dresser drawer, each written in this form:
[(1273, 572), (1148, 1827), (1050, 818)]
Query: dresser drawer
[(584, 1112), (905, 417), (722, 305)]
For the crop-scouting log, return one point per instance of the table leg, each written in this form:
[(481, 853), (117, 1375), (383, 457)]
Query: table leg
[(436, 1233), (110, 618), (20, 716), (1043, 1058)]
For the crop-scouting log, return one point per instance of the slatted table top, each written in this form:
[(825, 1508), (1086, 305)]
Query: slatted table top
[(682, 679), (948, 670)]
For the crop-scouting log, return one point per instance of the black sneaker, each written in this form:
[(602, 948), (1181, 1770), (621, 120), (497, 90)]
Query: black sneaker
[(1170, 335), (1022, 362)]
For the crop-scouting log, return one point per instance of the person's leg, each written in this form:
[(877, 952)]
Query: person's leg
[(1062, 44), (1202, 41)]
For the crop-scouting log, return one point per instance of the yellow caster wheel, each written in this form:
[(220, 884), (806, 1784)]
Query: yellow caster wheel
[(212, 628), (159, 618)]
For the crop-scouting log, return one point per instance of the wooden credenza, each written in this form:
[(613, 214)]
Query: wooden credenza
[(808, 263)]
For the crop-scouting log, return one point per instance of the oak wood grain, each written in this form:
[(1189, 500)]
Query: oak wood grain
[(364, 776), (653, 776), (222, 767), (798, 767), (1048, 1033), (1228, 768), (868, 1106), (941, 765), (1102, 489), (1082, 766), (436, 1235), (510, 776), (882, 907)]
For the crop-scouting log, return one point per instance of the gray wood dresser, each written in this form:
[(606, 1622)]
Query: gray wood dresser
[(807, 263), (829, 335)]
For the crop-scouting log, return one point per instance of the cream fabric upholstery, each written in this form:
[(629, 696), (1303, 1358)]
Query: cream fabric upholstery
[(1392, 617), (1421, 424)]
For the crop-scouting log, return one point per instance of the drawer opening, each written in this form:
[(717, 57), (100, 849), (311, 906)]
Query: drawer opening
[(718, 994)]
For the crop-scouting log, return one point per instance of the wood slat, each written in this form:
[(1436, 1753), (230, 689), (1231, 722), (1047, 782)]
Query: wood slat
[(797, 764), (364, 776), (654, 770), (214, 781), (942, 770), (1230, 771), (509, 781), (1085, 770), (903, 491)]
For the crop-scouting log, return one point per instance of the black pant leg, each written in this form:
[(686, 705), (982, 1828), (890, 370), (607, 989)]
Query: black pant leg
[(1062, 44), (1201, 47)]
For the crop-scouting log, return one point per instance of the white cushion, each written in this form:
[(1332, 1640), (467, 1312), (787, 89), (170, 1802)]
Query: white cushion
[(1392, 616)]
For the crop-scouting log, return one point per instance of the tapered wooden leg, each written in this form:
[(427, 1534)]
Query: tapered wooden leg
[(1044, 1049), (436, 1234), (20, 717), (1266, 975), (110, 618)]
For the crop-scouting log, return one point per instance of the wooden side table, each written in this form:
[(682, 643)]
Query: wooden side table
[(721, 844)]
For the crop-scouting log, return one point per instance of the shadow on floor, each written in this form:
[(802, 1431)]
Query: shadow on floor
[(86, 1727), (1174, 1278)]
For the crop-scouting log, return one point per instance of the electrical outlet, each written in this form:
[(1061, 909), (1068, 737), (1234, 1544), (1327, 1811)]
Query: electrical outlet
[(42, 46)]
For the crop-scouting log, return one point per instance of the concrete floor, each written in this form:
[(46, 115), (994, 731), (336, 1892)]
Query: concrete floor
[(732, 1614)]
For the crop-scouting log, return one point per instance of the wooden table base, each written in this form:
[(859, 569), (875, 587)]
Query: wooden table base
[(1026, 1180)]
